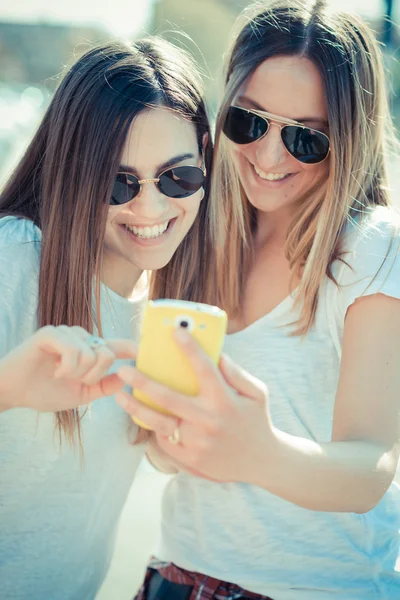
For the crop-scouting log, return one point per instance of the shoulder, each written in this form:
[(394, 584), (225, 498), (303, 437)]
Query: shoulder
[(370, 242), (20, 242), (374, 234), (19, 280), (15, 231), (370, 259)]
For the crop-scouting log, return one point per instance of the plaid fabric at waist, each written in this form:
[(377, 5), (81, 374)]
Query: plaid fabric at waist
[(203, 587)]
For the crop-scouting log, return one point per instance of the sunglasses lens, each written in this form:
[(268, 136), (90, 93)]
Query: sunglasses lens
[(181, 182), (126, 187), (306, 145), (243, 127)]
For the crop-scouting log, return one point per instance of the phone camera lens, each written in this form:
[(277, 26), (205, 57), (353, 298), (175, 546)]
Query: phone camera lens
[(185, 322)]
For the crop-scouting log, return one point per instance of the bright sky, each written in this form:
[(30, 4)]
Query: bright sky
[(121, 17), (125, 17)]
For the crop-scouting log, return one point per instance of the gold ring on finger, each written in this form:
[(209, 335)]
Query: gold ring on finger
[(175, 438)]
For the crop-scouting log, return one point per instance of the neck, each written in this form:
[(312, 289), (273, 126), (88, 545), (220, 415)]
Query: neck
[(120, 280), (272, 228)]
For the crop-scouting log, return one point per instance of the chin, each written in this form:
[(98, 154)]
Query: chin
[(269, 204), (153, 265)]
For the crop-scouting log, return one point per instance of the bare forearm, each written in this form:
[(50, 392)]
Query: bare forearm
[(349, 476)]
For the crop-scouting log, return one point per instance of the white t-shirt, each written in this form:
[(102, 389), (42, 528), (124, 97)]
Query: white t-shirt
[(58, 517), (243, 534)]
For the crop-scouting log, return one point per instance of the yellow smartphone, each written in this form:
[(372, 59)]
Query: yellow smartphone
[(160, 357)]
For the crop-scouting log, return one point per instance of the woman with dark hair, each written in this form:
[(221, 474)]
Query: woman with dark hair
[(306, 447), (112, 184)]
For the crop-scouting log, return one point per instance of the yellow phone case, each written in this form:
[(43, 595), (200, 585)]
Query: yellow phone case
[(161, 358)]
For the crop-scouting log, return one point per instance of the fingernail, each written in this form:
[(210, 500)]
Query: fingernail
[(121, 400), (126, 373)]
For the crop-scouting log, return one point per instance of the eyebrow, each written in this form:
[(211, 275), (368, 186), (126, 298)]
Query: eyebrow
[(299, 119), (165, 165)]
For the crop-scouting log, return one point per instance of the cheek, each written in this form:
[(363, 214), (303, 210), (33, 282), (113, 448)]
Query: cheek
[(316, 173), (241, 156), (110, 225), (190, 207)]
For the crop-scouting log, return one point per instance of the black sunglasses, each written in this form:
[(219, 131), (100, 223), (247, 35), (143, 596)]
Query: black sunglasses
[(243, 126), (178, 182)]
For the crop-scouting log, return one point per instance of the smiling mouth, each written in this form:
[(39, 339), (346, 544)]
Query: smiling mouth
[(270, 176), (149, 233)]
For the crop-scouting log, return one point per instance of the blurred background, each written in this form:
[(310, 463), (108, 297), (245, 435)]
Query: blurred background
[(38, 38)]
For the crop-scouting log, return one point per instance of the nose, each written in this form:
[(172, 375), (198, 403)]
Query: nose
[(150, 203), (270, 150)]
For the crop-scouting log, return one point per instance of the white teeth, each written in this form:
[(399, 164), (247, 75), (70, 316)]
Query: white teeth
[(148, 232), (270, 176)]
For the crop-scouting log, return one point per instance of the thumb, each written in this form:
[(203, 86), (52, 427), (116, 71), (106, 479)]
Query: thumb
[(241, 381)]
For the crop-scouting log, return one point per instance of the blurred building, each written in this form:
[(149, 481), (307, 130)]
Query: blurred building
[(32, 57)]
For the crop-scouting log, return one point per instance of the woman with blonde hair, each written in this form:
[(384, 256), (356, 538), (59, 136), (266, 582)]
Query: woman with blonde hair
[(113, 183), (298, 446)]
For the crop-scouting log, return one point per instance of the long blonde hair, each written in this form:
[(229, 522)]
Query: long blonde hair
[(349, 61)]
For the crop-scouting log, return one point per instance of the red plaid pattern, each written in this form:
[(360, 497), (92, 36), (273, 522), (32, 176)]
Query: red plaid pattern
[(204, 587)]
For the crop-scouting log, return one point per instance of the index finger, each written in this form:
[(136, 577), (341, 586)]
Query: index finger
[(123, 348)]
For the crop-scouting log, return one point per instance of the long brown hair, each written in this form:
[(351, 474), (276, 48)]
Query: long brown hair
[(349, 61), (64, 181)]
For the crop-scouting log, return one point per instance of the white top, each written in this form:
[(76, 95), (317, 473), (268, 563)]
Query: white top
[(245, 535), (58, 517)]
